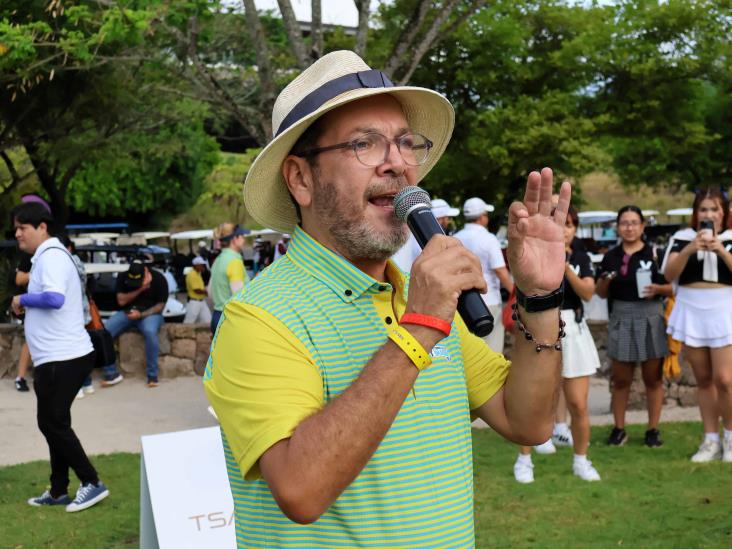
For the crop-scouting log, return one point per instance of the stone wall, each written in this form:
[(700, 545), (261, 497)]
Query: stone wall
[(184, 350), (679, 392)]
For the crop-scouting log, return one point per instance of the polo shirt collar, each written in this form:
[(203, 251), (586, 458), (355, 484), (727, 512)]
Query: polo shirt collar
[(335, 272)]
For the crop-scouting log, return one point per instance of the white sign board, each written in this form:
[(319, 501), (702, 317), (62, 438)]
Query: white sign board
[(185, 498)]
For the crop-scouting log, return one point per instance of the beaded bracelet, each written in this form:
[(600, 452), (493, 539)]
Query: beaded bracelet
[(557, 345)]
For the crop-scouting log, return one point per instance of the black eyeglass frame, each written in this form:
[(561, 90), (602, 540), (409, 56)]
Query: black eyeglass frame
[(428, 144)]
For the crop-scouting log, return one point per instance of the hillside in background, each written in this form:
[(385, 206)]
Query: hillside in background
[(602, 191)]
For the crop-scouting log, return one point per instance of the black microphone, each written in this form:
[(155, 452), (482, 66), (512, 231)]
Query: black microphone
[(412, 205)]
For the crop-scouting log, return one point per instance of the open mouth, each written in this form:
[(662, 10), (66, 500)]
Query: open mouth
[(383, 200)]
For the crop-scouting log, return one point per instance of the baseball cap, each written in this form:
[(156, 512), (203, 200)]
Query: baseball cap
[(198, 260), (441, 208), (134, 276), (475, 206)]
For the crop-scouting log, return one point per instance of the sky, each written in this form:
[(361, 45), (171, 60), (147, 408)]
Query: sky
[(335, 12)]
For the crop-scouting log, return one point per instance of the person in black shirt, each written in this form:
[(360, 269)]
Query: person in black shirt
[(142, 293), (630, 280), (699, 261), (579, 358)]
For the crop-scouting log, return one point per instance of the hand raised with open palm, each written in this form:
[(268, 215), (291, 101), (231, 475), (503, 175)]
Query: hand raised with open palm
[(536, 253)]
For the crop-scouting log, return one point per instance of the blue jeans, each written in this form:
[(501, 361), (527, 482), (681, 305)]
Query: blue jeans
[(149, 328)]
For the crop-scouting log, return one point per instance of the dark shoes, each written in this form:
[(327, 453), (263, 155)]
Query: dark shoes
[(21, 385), (653, 438), (617, 437)]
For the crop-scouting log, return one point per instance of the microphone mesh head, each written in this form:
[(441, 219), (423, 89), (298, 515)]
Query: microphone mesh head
[(407, 198)]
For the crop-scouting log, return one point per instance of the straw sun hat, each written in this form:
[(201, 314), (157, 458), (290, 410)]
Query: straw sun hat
[(332, 81)]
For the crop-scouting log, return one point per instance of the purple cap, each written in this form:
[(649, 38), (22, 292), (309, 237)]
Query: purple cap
[(28, 198)]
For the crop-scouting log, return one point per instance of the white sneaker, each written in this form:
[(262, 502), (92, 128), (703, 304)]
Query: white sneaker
[(80, 394), (523, 472), (546, 448), (709, 450), (727, 450), (563, 438), (585, 470), (88, 389)]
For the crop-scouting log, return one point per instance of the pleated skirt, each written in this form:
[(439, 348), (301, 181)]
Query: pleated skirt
[(579, 354), (702, 317), (637, 331)]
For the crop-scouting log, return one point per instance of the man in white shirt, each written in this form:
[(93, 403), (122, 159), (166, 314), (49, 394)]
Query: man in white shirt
[(476, 238), (406, 255), (61, 351)]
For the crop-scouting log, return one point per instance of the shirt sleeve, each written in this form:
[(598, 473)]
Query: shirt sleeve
[(263, 383), (585, 265), (485, 369), (235, 271), (495, 255), (55, 271)]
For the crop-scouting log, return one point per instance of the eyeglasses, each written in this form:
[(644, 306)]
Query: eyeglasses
[(627, 224), (372, 149)]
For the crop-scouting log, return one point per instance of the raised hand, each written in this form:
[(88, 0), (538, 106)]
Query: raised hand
[(536, 253)]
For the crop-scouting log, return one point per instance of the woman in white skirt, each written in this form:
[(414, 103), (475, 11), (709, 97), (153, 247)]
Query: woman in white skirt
[(699, 262), (631, 281), (579, 357)]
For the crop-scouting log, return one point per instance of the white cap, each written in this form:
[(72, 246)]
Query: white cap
[(286, 236), (475, 206), (198, 260), (440, 208), (201, 243)]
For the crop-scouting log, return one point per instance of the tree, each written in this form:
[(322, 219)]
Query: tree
[(425, 24), (81, 95)]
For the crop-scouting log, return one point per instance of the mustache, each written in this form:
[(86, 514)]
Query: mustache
[(389, 186)]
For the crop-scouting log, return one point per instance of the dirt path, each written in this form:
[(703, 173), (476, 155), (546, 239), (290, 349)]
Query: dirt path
[(114, 419)]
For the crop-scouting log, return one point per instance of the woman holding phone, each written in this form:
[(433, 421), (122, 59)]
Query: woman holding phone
[(699, 261), (629, 278)]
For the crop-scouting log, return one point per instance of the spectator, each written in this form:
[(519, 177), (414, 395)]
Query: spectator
[(630, 280), (61, 351), (227, 273), (579, 359), (281, 246), (22, 276), (476, 238), (699, 261), (196, 308), (406, 255), (87, 387), (142, 293)]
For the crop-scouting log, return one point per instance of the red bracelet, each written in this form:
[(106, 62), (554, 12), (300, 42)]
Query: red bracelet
[(428, 321)]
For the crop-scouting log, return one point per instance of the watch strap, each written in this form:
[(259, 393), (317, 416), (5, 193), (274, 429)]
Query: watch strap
[(538, 303)]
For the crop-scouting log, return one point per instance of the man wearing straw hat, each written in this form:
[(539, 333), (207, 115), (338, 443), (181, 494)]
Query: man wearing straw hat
[(345, 399)]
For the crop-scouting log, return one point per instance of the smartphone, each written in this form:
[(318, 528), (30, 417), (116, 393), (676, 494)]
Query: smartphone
[(706, 224), (643, 280)]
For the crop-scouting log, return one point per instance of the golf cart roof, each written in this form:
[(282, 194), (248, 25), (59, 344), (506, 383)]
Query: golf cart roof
[(151, 235), (680, 211), (98, 268), (200, 234), (595, 217), (90, 227)]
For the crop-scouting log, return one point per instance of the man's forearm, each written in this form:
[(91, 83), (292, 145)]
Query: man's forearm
[(307, 472), (155, 309), (124, 298), (533, 380)]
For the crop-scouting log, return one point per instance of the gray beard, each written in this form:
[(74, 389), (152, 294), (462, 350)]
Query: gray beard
[(353, 236)]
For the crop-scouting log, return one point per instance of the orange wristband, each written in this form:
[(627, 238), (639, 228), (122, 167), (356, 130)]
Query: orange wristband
[(428, 321)]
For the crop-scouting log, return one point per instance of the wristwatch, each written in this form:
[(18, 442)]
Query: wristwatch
[(538, 303)]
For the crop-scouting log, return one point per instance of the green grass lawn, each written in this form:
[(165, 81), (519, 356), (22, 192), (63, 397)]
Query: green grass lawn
[(647, 498)]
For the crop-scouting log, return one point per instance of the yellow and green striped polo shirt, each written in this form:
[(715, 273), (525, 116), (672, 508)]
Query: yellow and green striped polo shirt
[(295, 338)]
